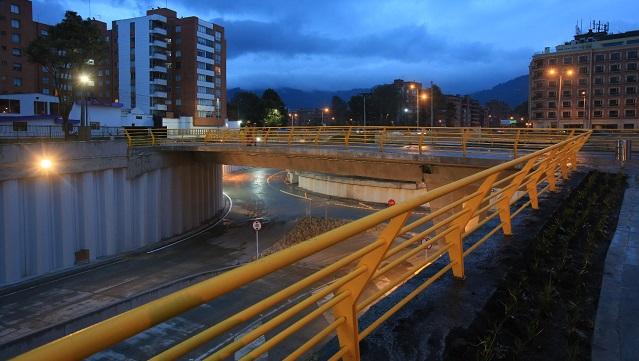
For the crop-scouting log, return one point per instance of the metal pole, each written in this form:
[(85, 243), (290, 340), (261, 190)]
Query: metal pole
[(432, 102), (559, 101), (417, 105), (364, 95), (257, 244)]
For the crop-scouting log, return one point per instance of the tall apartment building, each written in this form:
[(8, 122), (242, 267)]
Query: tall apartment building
[(170, 66), (590, 81), (17, 30), (18, 74), (464, 111), (408, 91)]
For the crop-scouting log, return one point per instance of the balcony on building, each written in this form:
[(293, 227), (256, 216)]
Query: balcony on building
[(157, 27)]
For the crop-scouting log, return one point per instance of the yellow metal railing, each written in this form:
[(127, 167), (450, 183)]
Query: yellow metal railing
[(419, 140), (351, 280)]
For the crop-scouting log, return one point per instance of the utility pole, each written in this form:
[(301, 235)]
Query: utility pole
[(432, 102), (364, 96)]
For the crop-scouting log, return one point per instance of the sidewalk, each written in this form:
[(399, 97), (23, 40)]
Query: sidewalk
[(617, 321)]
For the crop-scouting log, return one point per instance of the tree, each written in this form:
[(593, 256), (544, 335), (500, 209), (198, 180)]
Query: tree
[(521, 111), (248, 107), (339, 110), (385, 104), (356, 108), (65, 53), (272, 101), (273, 118)]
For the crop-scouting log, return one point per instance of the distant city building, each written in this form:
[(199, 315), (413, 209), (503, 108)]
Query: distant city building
[(464, 111), (173, 67), (17, 74), (408, 91), (590, 81)]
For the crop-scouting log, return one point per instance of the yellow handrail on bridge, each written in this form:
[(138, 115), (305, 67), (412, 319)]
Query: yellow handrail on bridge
[(336, 289)]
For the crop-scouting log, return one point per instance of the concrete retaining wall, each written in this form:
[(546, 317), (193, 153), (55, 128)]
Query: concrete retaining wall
[(367, 190), (98, 197)]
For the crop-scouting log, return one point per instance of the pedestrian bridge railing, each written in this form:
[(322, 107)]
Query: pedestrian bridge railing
[(298, 317), (384, 139)]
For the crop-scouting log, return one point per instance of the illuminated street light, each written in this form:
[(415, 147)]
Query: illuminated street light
[(567, 72), (325, 110), (46, 164), (84, 82)]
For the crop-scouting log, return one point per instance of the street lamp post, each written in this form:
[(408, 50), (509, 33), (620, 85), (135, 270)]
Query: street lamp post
[(84, 82), (586, 115), (325, 110), (567, 72), (432, 101)]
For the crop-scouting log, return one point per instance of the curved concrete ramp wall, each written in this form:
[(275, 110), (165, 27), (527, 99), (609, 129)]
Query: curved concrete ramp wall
[(368, 190), (99, 198)]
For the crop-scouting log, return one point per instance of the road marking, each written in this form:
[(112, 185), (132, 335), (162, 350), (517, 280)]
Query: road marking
[(295, 195), (116, 285)]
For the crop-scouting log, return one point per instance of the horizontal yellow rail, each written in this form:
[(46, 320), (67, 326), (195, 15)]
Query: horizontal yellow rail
[(512, 141), (394, 245)]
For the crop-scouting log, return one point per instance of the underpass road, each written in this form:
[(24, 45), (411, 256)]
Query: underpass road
[(255, 193)]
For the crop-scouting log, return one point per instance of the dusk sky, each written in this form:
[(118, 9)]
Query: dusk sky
[(340, 44)]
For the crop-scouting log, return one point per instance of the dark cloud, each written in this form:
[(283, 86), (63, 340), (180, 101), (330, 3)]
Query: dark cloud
[(464, 45)]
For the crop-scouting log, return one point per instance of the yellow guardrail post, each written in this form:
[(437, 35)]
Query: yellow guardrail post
[(128, 137), (454, 238), (317, 136), (551, 168), (382, 135), (348, 136), (506, 196), (268, 133), (150, 132), (348, 332), (464, 140), (290, 135), (516, 144)]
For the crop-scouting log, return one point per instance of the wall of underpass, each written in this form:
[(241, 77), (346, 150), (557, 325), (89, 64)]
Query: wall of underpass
[(98, 197)]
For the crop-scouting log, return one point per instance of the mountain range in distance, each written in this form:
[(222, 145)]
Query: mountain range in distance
[(512, 92)]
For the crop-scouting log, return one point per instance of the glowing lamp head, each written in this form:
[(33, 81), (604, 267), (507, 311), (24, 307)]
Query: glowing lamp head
[(552, 71), (46, 164), (569, 72), (326, 110), (424, 96), (84, 79), (412, 86)]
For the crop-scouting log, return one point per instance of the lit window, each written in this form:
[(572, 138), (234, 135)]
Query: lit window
[(15, 9)]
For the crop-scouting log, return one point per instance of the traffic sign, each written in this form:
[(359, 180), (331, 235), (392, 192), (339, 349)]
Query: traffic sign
[(257, 225)]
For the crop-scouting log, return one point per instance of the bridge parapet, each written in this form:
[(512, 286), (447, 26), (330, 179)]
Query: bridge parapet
[(338, 294)]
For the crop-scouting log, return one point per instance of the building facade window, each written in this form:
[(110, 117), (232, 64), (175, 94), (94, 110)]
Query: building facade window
[(597, 103), (178, 28), (583, 81), (597, 114), (613, 102), (631, 66), (15, 38), (615, 56), (17, 82), (630, 113), (599, 58), (614, 80), (17, 66), (599, 68), (613, 113), (580, 114), (566, 114), (566, 104), (631, 54), (552, 115), (598, 91), (15, 23), (614, 91), (631, 90), (631, 79), (583, 59), (539, 115), (615, 67), (15, 9)]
